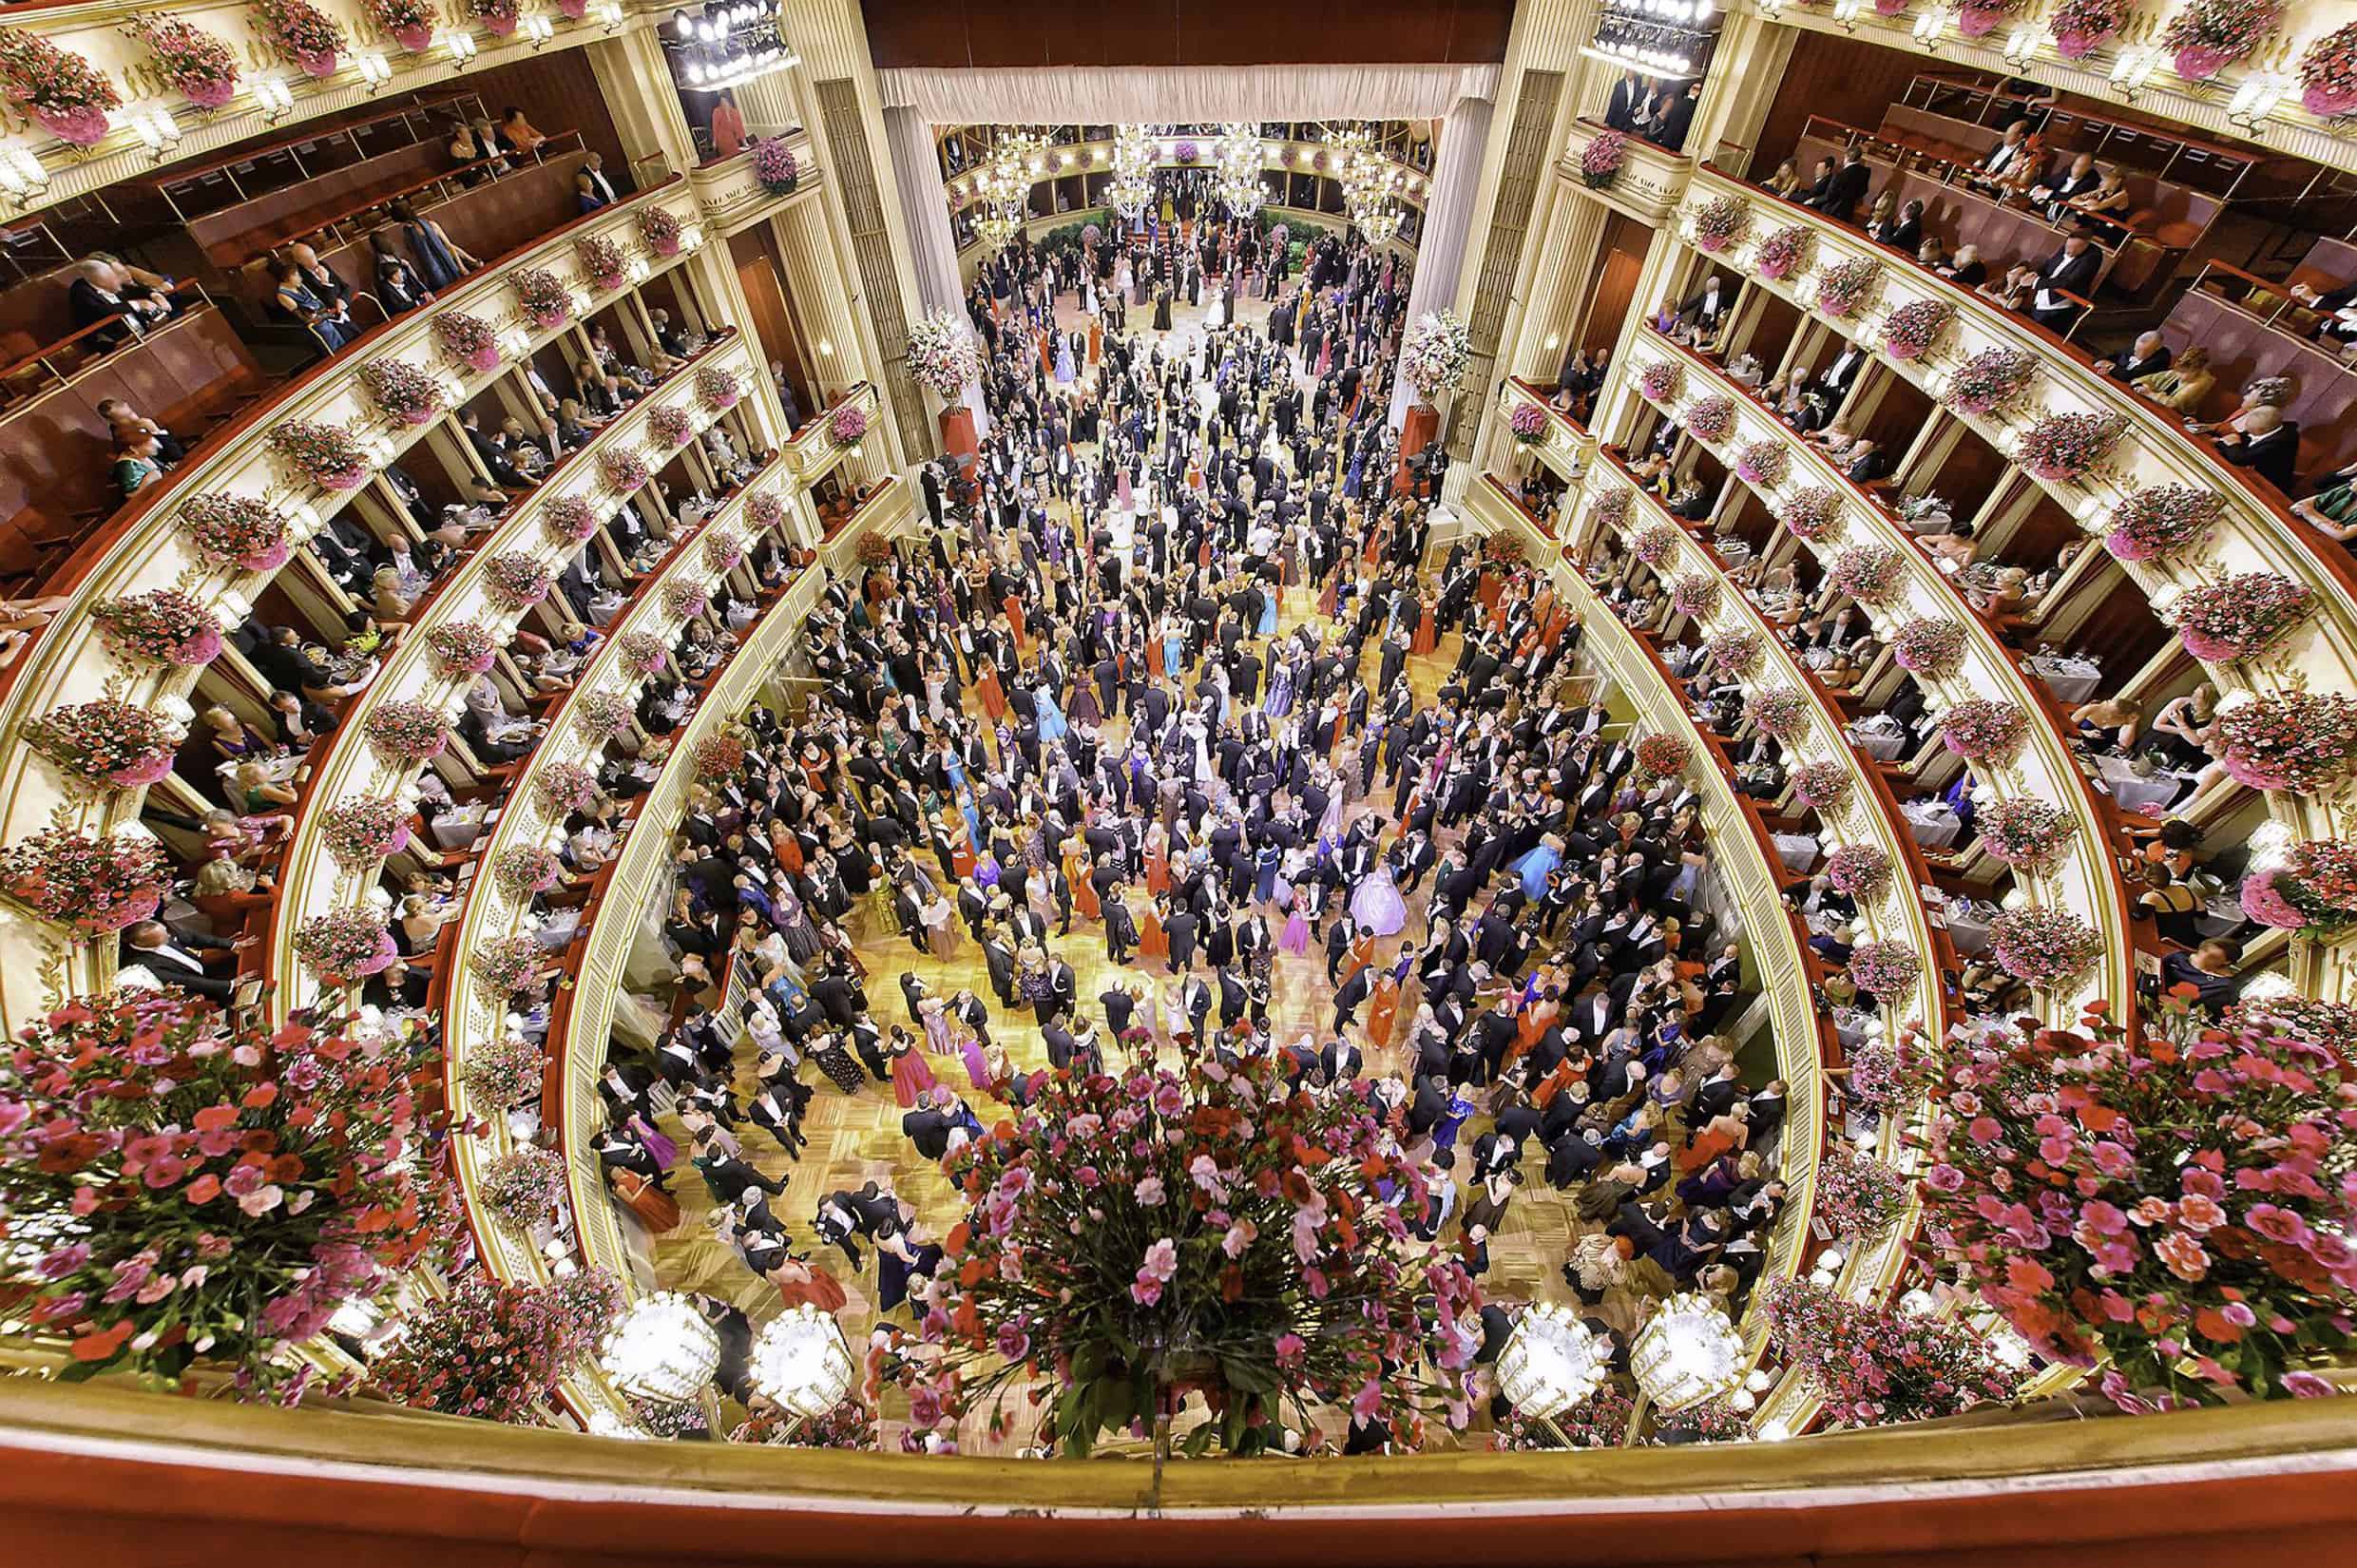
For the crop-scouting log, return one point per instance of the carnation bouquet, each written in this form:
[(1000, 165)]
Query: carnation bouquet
[(722, 551), (1782, 253), (2208, 35), (659, 230), (505, 1072), (2313, 892), (605, 714), (1778, 712), (507, 964), (493, 1349), (1659, 543), (107, 742), (847, 424), (1720, 222), (94, 885), (1433, 357), (466, 339), (764, 510), (1821, 786), (235, 532), (2160, 520), (1874, 1365), (685, 601), (1843, 288), (602, 260), (565, 787), (2297, 741), (2327, 71), (344, 945), (1909, 331), (2022, 831), (1932, 648), (623, 470), (2168, 1205), (2063, 447), (462, 649), (408, 23), (199, 63), (212, 1188), (1694, 595), (1711, 419), (2082, 27), (1992, 380), (527, 869), (305, 32), (2293, 1017), (407, 732), (1887, 1072), (498, 17), (363, 831), (1858, 1196), (670, 424), (1859, 870), (61, 90), (1982, 728), (514, 580), (1527, 424), (1661, 756), (717, 386), (523, 1187), (1602, 158), (774, 167), (165, 626), (2239, 616), (1736, 652), (1660, 380), (328, 455), (407, 395), (2045, 947), (1871, 574), (1979, 18), (1763, 463), (568, 520), (643, 653), (1884, 970), (1811, 514), (717, 755), (546, 302), (942, 354)]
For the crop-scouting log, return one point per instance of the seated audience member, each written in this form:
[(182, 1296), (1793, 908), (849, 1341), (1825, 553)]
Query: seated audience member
[(127, 422), (293, 302), (1786, 181), (2107, 204), (2184, 385), (397, 282), (100, 294), (1847, 187), (2208, 970), (321, 279), (594, 166), (138, 464), (586, 194), (2012, 164), (2013, 291), (2333, 507), (2147, 355), (1905, 231), (179, 958), (518, 133), (1965, 268), (2265, 442), (2077, 179), (1865, 462), (2069, 271)]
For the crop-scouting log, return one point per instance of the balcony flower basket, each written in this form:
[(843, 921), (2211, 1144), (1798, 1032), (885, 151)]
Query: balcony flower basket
[(1779, 712), (718, 388), (601, 261), (1821, 786), (942, 356), (2047, 948), (722, 551), (522, 1189), (1783, 252), (847, 424), (2240, 617), (507, 964), (572, 11), (1602, 158), (462, 649), (1979, 18), (566, 787), (167, 1099), (2063, 448), (2082, 27), (2023, 832), (165, 626), (515, 581), (361, 832), (1721, 222), (1991, 381), (494, 1350), (605, 714), (408, 23), (197, 62), (1710, 420), (1435, 356), (1763, 463), (466, 339), (764, 510), (1661, 756), (1658, 544), (1871, 574), (1858, 871), (2160, 520), (406, 394), (660, 231), (108, 743), (345, 945), (1660, 381), (643, 653), (407, 734), (1929, 647), (1527, 424), (1843, 287), (569, 520), (2327, 72), (1884, 970), (93, 884), (622, 471), (1694, 595), (527, 869), (2294, 741), (2206, 36), (774, 167), (1858, 1196), (499, 17), (236, 532), (1613, 508), (505, 1073), (546, 302), (1813, 515), (303, 31), (1983, 729), (670, 426), (1874, 1365), (1736, 652), (685, 601), (1910, 332), (67, 95), (719, 755), (329, 456), (1891, 8), (2313, 892)]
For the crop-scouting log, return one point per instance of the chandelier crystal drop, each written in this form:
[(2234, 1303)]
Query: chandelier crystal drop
[(1237, 182), (1687, 1352)]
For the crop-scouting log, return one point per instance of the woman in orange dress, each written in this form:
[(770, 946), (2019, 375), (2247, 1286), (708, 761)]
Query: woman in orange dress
[(656, 1210), (1048, 355), (1328, 601), (1014, 622), (1427, 637), (1075, 870), (1152, 942), (1362, 953), (987, 687), (799, 1282), (1535, 1019), (1383, 1015), (1158, 860), (1096, 340), (961, 841), (787, 847)]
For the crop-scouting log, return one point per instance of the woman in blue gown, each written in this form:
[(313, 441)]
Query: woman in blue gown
[(1280, 698), (1051, 718), (1534, 868)]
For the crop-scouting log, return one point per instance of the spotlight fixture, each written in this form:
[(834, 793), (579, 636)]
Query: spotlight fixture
[(727, 45)]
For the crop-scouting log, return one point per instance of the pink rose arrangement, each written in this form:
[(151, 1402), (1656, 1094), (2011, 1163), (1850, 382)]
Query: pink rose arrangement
[(1527, 424), (468, 340), (1821, 786), (508, 964), (165, 626), (1720, 222), (1660, 380), (722, 551), (2024, 833), (360, 833), (2160, 520), (1910, 332), (2296, 742), (523, 1187), (498, 17), (67, 95), (305, 32), (1887, 1073), (764, 510), (107, 742), (1858, 1196), (344, 945), (1843, 287), (2295, 1017), (1811, 514), (2082, 27), (847, 424), (94, 885), (1661, 756), (2064, 448), (1763, 463), (1711, 419), (569, 520), (623, 470), (2044, 947), (527, 869), (605, 714), (546, 302), (1932, 648), (565, 787), (408, 733), (328, 455), (685, 601), (1871, 574), (1694, 595), (1991, 381), (670, 424), (1982, 728), (235, 533), (505, 1072), (461, 649), (1658, 544), (514, 580), (1736, 652), (2208, 35), (1783, 252), (495, 1351), (659, 230), (717, 386), (643, 653), (2240, 617), (406, 394), (1778, 712), (408, 23), (1884, 970), (1979, 18), (2327, 71), (1876, 1364), (1602, 158), (2313, 892), (199, 63), (774, 167), (1861, 870), (602, 260)]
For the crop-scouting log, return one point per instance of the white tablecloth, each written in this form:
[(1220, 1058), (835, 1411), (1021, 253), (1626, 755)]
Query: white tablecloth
[(1798, 851), (2222, 915), (1934, 826), (2072, 679), (1883, 747), (2141, 795), (1967, 928)]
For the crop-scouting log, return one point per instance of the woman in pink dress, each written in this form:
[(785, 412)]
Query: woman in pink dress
[(911, 1079)]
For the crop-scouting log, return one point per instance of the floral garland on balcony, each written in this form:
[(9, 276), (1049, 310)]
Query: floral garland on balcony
[(605, 715), (643, 653), (1778, 712), (1858, 1198), (1661, 756), (94, 885), (165, 626), (2208, 35), (661, 231), (228, 1217), (498, 17), (670, 426), (601, 261), (942, 354), (1658, 544), (1979, 18), (1736, 652), (407, 395), (1612, 508), (361, 832), (1602, 158), (1712, 419), (717, 386), (2082, 27), (1720, 222), (1910, 332), (61, 90), (2296, 742), (2168, 1242), (1694, 595), (462, 649), (722, 551), (505, 1072), (1871, 574), (1983, 729), (1843, 287), (1821, 786), (546, 302), (305, 32), (516, 582), (719, 756), (494, 1350), (1660, 380), (2065, 447), (523, 1188), (2240, 617), (1435, 354), (623, 470), (1812, 515), (199, 64), (2044, 947), (566, 787), (328, 455), (765, 510), (1992, 380), (406, 734), (1783, 252), (236, 531), (1932, 648), (507, 964), (1874, 1365), (568, 520), (847, 424), (527, 869), (344, 945), (1763, 463), (1859, 870), (408, 23), (774, 167), (108, 743), (2329, 74), (1884, 970), (468, 340), (2160, 520), (2026, 834), (1527, 424), (2313, 892)]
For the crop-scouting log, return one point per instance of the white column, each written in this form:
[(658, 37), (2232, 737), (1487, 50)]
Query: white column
[(1448, 222), (924, 213)]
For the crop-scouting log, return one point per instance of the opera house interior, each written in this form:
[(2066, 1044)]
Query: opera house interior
[(927, 780)]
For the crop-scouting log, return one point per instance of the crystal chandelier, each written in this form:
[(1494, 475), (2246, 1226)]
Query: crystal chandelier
[(1238, 181), (994, 229), (662, 1350), (1133, 171), (1005, 179), (1550, 1362), (1687, 1352), (1368, 179), (800, 1361), (1377, 222)]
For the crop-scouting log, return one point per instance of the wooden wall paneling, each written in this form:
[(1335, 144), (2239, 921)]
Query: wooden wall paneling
[(1839, 78), (558, 92)]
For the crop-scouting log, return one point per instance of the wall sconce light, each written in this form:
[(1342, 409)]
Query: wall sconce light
[(1846, 12), (2021, 47), (539, 28), (2256, 99), (1929, 26), (513, 343), (691, 237), (375, 69), (610, 14), (274, 97), (2132, 69), (462, 45), (826, 347), (158, 130)]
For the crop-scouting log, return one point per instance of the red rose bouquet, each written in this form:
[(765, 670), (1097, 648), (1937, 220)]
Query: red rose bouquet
[(107, 742), (1661, 756), (2242, 617), (162, 627), (719, 755), (95, 885)]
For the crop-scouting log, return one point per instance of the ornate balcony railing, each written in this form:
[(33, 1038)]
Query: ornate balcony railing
[(1651, 180), (1564, 446)]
